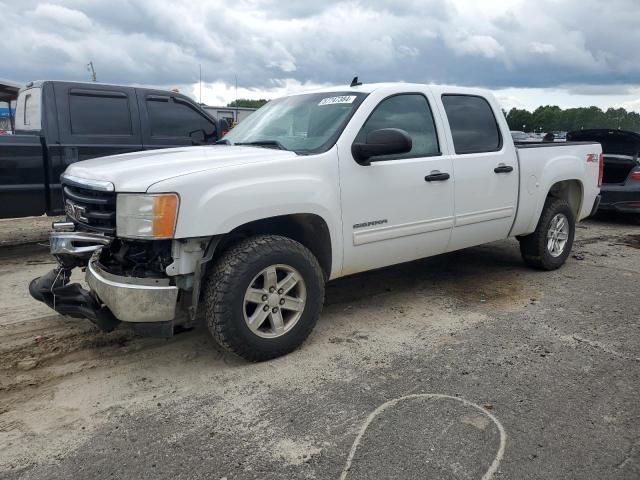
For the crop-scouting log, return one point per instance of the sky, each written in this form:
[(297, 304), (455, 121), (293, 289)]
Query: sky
[(537, 52)]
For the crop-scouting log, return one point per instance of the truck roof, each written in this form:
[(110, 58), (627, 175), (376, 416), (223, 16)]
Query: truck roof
[(40, 83), (371, 87)]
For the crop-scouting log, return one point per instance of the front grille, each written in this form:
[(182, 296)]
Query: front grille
[(94, 210)]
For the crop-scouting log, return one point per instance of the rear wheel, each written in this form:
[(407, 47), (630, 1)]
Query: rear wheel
[(548, 247), (263, 297)]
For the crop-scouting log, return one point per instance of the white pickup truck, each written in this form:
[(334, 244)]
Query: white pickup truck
[(309, 188)]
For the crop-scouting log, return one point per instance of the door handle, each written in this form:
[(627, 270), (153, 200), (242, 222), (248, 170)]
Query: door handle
[(502, 168), (437, 176)]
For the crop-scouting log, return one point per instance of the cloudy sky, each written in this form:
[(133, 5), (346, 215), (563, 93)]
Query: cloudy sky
[(564, 52)]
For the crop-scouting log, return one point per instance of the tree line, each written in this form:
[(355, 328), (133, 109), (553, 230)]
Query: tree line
[(245, 102), (553, 118)]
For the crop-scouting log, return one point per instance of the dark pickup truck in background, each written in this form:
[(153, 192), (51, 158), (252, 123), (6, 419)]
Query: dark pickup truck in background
[(620, 189), (59, 123)]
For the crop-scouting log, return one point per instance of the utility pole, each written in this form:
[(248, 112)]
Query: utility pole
[(236, 119), (200, 67), (92, 70)]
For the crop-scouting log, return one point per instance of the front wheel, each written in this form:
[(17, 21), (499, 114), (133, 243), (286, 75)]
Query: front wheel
[(548, 247), (263, 297)]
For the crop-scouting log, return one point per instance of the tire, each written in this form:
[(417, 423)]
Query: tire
[(535, 248), (229, 304)]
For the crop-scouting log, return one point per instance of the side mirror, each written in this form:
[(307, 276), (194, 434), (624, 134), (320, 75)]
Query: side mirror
[(386, 141), (198, 137)]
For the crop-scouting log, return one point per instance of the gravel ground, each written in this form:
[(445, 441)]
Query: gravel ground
[(20, 231), (455, 367)]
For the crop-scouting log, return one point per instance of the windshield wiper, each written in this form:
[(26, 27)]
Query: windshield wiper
[(224, 141), (264, 143)]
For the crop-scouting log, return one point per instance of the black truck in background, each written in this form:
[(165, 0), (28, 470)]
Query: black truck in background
[(59, 123)]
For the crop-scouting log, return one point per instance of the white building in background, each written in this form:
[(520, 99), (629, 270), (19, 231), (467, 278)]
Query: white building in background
[(231, 114)]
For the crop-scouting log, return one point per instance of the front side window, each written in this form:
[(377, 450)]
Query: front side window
[(99, 113), (408, 112), (301, 123), (177, 119), (473, 126)]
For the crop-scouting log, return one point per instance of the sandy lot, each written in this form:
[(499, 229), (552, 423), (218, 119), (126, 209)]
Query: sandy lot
[(457, 366)]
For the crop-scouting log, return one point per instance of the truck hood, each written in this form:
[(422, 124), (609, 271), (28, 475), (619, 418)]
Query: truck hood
[(137, 171)]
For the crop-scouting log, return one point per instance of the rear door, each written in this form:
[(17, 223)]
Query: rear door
[(22, 180), (94, 121), (485, 170), (22, 174), (173, 121)]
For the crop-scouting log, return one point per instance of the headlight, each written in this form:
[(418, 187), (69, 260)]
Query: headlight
[(146, 216)]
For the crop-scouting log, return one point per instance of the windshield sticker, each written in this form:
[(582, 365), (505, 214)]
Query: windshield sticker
[(334, 100)]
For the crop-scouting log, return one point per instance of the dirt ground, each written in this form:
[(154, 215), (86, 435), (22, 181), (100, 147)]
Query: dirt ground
[(463, 366)]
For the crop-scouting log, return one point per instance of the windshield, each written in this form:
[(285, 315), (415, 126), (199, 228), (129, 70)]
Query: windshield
[(301, 123)]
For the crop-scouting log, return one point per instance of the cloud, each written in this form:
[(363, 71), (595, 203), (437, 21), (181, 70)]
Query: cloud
[(496, 44), (220, 93)]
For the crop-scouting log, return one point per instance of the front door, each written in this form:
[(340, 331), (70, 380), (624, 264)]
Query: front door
[(400, 207)]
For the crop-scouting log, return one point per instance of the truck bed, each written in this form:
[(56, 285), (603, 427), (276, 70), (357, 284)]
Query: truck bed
[(534, 160)]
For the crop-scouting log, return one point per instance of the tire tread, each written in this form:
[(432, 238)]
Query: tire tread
[(533, 246), (218, 292)]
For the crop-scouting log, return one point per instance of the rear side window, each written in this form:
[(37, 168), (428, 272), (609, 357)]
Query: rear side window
[(473, 125), (408, 112), (99, 113), (28, 110), (171, 118)]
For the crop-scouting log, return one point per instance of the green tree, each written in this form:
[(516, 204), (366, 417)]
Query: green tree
[(550, 118), (245, 102)]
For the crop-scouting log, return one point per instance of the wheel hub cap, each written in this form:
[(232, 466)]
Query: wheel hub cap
[(274, 301), (557, 235)]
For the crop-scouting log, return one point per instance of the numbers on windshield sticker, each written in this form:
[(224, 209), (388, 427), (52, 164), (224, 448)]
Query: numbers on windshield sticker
[(334, 100)]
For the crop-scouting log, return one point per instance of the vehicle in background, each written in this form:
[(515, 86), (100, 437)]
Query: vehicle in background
[(560, 136), (621, 176), (519, 136), (232, 115), (310, 187), (60, 123)]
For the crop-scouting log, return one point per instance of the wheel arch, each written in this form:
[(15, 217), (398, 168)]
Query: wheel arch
[(309, 229), (570, 190), (567, 187)]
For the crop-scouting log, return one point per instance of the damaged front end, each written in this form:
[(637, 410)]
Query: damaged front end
[(72, 249), (128, 280)]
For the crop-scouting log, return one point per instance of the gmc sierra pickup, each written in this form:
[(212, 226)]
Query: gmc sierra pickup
[(310, 188), (59, 123)]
